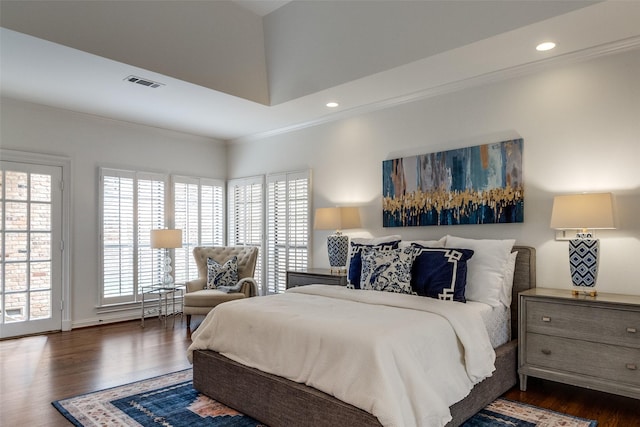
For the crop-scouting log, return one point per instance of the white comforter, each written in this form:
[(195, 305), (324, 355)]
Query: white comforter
[(403, 358)]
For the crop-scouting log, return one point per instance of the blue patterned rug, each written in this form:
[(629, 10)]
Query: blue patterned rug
[(170, 400)]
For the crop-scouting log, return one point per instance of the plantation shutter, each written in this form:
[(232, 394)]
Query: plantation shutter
[(151, 214), (212, 213), (117, 235), (199, 213), (288, 205), (245, 204), (131, 205)]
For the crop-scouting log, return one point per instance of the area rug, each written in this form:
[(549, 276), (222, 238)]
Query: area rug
[(171, 401)]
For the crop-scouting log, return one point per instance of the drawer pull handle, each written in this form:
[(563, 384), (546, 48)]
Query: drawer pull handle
[(632, 366), (546, 319), (548, 352), (632, 330)]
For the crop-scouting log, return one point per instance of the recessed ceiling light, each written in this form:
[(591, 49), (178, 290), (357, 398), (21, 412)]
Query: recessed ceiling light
[(545, 46), (332, 104)]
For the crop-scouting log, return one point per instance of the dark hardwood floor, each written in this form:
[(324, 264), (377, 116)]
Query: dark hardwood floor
[(36, 370)]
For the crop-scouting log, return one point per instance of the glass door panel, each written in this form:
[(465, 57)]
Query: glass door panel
[(30, 262)]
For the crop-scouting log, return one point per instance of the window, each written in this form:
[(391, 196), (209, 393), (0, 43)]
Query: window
[(287, 226), (198, 206), (132, 204), (245, 218)]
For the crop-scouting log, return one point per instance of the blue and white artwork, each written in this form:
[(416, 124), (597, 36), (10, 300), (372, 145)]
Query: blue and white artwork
[(473, 185)]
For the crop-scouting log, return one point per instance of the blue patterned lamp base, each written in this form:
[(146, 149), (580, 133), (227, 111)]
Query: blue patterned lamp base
[(338, 248), (583, 261)]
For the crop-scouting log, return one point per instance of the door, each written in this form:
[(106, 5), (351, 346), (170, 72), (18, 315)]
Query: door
[(31, 248)]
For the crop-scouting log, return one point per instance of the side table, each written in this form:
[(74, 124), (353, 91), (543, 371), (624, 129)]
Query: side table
[(584, 341), (170, 302), (312, 276)]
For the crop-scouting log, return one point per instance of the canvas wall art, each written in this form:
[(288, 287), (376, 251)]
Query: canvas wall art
[(474, 185)]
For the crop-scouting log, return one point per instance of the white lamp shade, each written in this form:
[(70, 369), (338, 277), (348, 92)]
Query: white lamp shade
[(166, 239), (350, 217), (582, 211), (338, 218)]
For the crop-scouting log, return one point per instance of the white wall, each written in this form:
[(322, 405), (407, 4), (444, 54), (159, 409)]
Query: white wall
[(580, 124), (581, 127), (91, 142)]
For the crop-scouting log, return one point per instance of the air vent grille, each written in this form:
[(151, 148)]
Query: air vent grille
[(143, 82)]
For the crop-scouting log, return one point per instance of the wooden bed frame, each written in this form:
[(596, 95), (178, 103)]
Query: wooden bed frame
[(277, 401)]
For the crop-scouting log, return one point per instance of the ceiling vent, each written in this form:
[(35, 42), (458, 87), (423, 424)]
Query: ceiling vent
[(143, 82)]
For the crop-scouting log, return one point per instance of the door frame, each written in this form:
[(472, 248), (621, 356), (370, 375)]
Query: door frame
[(65, 164)]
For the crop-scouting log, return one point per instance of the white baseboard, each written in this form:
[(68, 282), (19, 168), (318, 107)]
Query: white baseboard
[(106, 318)]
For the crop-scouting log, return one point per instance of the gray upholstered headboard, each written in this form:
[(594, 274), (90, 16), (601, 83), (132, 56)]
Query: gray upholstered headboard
[(524, 278)]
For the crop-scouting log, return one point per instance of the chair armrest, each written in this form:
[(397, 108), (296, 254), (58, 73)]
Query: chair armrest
[(249, 287), (195, 285)]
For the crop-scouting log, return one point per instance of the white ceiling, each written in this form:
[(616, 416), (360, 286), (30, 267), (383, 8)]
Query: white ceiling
[(261, 7), (40, 71)]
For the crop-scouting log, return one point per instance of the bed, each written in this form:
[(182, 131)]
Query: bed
[(277, 401)]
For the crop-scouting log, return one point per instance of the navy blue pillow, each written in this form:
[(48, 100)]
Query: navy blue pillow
[(440, 273), (355, 263)]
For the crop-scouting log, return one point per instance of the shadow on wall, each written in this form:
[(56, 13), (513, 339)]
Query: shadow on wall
[(627, 212)]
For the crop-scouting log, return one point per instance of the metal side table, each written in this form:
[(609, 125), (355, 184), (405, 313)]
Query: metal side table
[(170, 302)]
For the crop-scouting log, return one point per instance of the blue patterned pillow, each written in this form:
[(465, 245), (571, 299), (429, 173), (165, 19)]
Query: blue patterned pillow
[(222, 275), (388, 270), (355, 263), (440, 273)]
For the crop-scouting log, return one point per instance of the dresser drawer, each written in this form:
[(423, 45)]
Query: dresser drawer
[(610, 362), (602, 324)]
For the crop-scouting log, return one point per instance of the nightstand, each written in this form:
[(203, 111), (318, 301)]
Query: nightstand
[(591, 342), (315, 276)]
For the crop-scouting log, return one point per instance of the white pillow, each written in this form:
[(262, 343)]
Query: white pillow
[(485, 269), (426, 243), (507, 283)]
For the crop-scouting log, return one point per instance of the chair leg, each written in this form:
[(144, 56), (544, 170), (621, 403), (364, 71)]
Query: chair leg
[(188, 321)]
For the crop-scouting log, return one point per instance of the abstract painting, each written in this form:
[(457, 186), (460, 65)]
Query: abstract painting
[(472, 185)]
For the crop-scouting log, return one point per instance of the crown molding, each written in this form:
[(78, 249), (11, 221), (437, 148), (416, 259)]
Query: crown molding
[(456, 86)]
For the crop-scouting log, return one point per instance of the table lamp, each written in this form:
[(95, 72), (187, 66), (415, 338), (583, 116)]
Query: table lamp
[(166, 239), (337, 218), (583, 212)]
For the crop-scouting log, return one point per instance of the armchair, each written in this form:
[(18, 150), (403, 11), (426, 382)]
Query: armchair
[(199, 300)]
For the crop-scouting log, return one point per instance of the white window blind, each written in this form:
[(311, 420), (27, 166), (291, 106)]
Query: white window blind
[(117, 235), (245, 207), (151, 216), (198, 206), (287, 217), (132, 203)]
